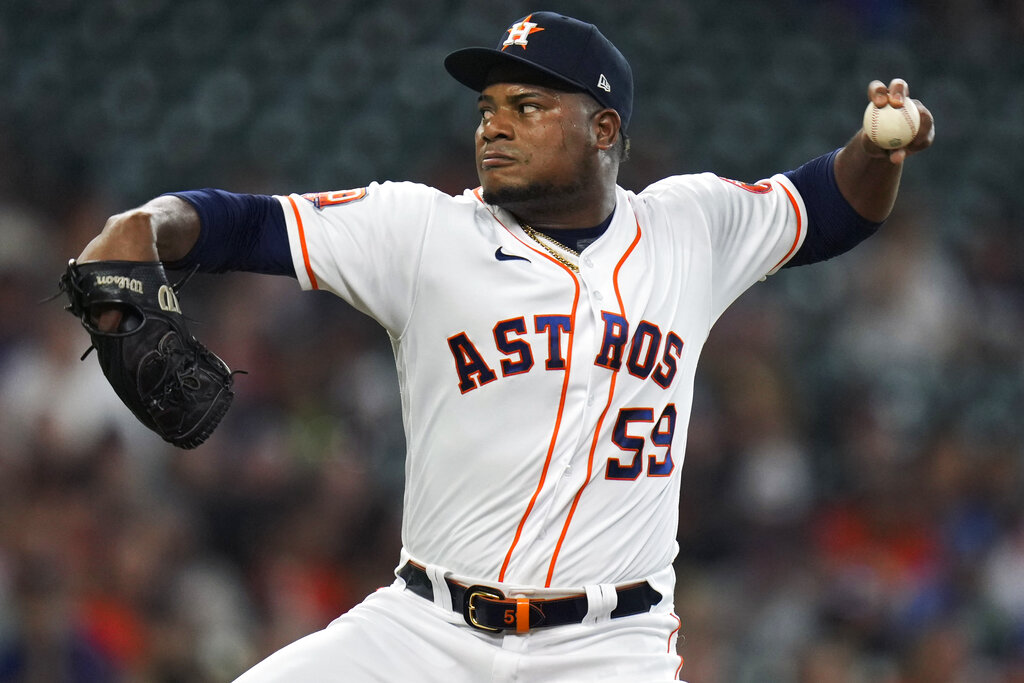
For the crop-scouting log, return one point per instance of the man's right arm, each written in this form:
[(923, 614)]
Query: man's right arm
[(163, 229), (210, 230)]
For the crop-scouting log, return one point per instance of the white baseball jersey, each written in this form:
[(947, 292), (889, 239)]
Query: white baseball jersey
[(545, 410)]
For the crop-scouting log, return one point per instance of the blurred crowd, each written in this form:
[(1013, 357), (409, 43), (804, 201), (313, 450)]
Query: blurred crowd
[(852, 503)]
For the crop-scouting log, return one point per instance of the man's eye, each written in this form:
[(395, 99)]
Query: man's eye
[(485, 114), (529, 108)]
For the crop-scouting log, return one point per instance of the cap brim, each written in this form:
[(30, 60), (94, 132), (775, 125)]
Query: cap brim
[(470, 66)]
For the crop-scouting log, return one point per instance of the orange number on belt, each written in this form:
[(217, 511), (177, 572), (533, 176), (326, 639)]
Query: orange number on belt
[(510, 616)]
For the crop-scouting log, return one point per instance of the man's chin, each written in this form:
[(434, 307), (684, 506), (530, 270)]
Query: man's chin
[(534, 194), (507, 197)]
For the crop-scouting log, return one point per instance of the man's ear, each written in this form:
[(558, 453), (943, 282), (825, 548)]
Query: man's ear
[(606, 128)]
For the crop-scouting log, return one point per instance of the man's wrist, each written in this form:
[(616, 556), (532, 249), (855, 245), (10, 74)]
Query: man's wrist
[(126, 237)]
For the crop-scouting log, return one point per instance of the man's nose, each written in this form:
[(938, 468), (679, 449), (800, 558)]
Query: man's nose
[(496, 126)]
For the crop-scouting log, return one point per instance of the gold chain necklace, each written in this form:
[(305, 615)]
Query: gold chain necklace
[(547, 247)]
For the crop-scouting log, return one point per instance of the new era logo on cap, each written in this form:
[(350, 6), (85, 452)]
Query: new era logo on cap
[(572, 51)]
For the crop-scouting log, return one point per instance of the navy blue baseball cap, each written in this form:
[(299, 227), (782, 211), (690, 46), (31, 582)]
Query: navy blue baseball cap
[(572, 51)]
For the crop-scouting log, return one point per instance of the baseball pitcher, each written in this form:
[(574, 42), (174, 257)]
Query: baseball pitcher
[(546, 326)]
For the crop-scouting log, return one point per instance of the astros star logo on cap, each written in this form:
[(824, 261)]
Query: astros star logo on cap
[(519, 33)]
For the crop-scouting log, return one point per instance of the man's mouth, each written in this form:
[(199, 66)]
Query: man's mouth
[(493, 159)]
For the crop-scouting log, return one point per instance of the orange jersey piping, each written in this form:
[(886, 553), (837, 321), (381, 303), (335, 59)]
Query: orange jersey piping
[(551, 444), (302, 244), (600, 420), (561, 400), (799, 227)]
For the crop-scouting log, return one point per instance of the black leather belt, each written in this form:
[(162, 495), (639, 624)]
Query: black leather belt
[(487, 608)]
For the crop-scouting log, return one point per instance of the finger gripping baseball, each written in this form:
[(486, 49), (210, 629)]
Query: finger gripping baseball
[(170, 381)]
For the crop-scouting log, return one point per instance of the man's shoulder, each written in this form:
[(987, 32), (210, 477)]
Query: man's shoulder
[(707, 188), (390, 192), (680, 183), (468, 199), (677, 191)]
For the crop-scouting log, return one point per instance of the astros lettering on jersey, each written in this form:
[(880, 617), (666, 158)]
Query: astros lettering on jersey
[(486, 325)]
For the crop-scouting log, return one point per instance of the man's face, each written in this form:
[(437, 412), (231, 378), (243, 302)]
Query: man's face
[(535, 143)]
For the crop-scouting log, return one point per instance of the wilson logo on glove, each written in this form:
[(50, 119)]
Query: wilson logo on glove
[(128, 283), (167, 299)]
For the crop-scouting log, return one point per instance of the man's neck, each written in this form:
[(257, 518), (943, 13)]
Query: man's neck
[(564, 215), (579, 239)]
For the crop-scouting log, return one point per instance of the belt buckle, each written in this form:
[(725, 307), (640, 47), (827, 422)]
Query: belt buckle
[(469, 609)]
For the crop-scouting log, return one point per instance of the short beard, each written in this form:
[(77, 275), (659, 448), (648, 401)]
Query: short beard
[(535, 196)]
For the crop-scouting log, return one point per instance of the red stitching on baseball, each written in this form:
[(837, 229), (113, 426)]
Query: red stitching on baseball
[(910, 120)]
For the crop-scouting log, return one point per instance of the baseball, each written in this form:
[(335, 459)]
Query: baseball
[(891, 128)]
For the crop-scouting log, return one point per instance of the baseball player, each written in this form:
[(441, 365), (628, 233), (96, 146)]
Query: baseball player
[(546, 327)]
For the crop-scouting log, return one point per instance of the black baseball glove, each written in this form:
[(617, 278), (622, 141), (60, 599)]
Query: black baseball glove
[(173, 384)]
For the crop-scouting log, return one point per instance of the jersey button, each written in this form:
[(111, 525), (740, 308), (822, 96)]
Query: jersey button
[(599, 296), (587, 262)]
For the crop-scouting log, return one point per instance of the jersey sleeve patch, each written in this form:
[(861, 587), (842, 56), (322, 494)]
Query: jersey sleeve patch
[(324, 199)]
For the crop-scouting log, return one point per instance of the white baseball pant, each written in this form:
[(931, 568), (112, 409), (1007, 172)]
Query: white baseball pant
[(395, 635)]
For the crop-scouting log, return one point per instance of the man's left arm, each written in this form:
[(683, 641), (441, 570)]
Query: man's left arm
[(849, 192), (869, 176)]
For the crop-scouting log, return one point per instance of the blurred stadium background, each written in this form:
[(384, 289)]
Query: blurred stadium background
[(852, 493)]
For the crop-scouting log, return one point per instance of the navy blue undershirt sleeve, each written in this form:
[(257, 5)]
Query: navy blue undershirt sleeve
[(833, 226), (237, 232)]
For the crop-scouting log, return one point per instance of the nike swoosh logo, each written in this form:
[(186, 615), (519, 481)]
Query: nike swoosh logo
[(502, 256)]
